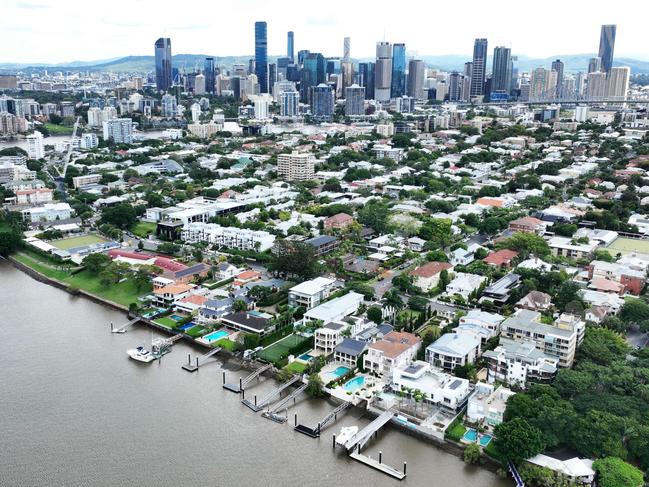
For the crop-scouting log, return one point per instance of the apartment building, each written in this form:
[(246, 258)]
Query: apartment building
[(310, 293), (230, 237), (296, 166), (515, 363)]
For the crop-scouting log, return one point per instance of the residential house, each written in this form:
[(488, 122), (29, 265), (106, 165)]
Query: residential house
[(348, 351), (632, 280), (328, 337), (453, 349), (311, 293), (595, 314), (499, 292), (323, 244), (501, 258), (464, 284), (462, 256), (335, 310), (426, 277), (339, 221), (579, 471), (535, 301), (224, 271), (396, 349), (249, 322), (213, 309), (487, 404), (567, 247), (527, 224), (489, 321), (416, 244), (165, 296)]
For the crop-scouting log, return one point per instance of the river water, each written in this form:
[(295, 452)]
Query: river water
[(76, 411)]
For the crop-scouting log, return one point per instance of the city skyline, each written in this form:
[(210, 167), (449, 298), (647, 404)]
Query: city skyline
[(113, 35)]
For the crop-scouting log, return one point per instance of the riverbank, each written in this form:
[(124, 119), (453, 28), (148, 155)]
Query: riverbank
[(446, 446)]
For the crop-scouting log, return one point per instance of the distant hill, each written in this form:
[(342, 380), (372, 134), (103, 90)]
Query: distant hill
[(145, 64)]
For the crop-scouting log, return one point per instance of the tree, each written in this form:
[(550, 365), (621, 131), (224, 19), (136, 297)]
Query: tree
[(168, 248), (314, 387), (392, 299), (517, 440), (528, 243), (375, 314), (437, 231), (568, 293), (472, 454), (120, 216), (250, 341), (95, 263), (198, 255), (239, 305), (375, 215), (634, 310), (141, 278), (10, 240), (296, 259), (615, 472)]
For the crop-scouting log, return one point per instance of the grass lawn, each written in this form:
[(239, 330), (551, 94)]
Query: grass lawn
[(296, 367), (227, 344), (279, 350), (456, 431), (143, 229), (81, 241), (628, 245), (42, 265), (167, 322), (57, 129), (196, 331)]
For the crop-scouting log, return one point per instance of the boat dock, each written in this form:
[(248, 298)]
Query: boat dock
[(244, 382), (360, 439), (257, 406), (323, 423), (189, 367), (123, 328), (379, 465), (284, 404)]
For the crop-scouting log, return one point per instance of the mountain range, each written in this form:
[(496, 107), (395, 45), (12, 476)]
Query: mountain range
[(145, 64)]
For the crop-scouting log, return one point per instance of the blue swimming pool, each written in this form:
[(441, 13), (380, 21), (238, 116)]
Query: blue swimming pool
[(187, 326), (484, 440), (354, 384), (339, 372), (176, 317), (470, 435), (306, 357), (215, 336)]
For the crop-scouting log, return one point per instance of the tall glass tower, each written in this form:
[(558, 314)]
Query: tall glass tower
[(366, 79), (290, 45), (210, 75), (163, 80), (312, 74), (501, 72), (398, 87), (606, 46), (478, 68), (261, 56)]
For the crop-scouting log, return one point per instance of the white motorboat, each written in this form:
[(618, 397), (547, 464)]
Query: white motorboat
[(141, 354), (346, 434)]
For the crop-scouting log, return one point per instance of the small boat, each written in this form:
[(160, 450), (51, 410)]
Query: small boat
[(141, 354), (346, 434)]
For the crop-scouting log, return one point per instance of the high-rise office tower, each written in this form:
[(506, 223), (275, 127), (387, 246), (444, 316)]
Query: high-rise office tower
[(290, 45), (163, 80), (347, 49), (416, 69), (312, 74), (199, 84), (210, 75), (501, 71), (594, 65), (557, 65), (261, 56), (398, 85), (478, 68), (580, 83), (346, 66), (354, 101), (456, 82), (383, 72), (606, 46), (366, 79), (301, 54), (272, 74)]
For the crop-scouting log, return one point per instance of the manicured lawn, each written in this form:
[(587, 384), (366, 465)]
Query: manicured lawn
[(627, 245), (143, 229), (167, 322), (227, 344), (296, 367), (280, 349), (196, 331), (455, 431), (81, 241), (42, 265), (57, 129)]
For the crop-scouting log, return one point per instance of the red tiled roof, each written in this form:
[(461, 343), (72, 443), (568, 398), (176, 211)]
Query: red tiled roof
[(430, 269), (500, 257)]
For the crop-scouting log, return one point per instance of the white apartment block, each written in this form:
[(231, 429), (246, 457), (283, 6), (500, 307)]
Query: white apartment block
[(230, 237), (78, 181), (35, 146), (296, 166), (328, 337), (119, 130), (310, 293), (47, 213)]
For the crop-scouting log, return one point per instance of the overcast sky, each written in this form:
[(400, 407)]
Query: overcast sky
[(52, 31)]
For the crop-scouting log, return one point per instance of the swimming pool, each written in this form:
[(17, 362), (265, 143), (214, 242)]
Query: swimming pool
[(485, 439), (216, 335), (355, 383), (339, 372), (187, 326), (471, 435), (176, 317), (306, 357)]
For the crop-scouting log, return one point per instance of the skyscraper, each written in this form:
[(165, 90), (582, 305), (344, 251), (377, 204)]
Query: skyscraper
[(366, 79), (398, 86), (557, 65), (272, 75), (501, 71), (606, 46), (618, 82), (383, 72), (163, 80), (210, 75), (416, 68), (322, 102), (290, 45), (346, 66), (312, 74), (594, 65), (354, 101), (261, 56), (478, 68), (456, 86)]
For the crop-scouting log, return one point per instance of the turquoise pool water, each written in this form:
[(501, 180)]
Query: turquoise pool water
[(187, 326), (355, 383), (306, 357), (216, 335), (485, 439), (471, 435), (176, 317), (339, 372)]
